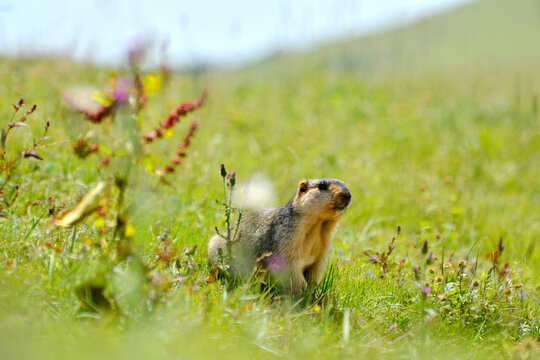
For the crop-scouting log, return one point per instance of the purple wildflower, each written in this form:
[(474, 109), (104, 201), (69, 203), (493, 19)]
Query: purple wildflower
[(120, 91), (186, 249), (159, 237), (426, 290)]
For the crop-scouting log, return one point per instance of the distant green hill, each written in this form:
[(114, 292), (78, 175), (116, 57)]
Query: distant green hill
[(484, 35)]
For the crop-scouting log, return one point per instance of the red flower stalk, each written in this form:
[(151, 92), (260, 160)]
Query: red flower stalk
[(186, 140), (184, 144), (174, 117)]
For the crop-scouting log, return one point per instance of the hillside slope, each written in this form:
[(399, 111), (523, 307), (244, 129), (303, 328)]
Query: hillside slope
[(481, 36)]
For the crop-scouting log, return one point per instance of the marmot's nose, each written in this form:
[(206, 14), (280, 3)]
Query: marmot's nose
[(346, 196)]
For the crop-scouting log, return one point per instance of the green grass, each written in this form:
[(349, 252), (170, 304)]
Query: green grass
[(450, 156)]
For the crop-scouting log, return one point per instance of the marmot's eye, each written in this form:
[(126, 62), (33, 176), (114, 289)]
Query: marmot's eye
[(322, 186)]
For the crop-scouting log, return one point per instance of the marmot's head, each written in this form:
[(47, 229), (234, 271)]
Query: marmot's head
[(325, 198)]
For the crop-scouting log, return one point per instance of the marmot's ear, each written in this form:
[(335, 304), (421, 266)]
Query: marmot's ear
[(302, 187)]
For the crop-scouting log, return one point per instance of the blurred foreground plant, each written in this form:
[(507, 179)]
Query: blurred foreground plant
[(121, 108)]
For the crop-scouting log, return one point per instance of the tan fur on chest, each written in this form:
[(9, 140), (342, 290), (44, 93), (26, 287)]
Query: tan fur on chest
[(311, 242)]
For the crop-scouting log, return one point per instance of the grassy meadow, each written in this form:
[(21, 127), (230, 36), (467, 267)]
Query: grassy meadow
[(433, 130)]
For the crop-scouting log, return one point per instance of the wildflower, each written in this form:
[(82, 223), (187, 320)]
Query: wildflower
[(462, 263), (517, 286), (180, 278), (446, 265), (191, 263), (426, 290), (174, 118), (401, 280), (185, 249), (521, 295), (186, 140), (507, 291), (431, 270), (439, 278), (159, 238)]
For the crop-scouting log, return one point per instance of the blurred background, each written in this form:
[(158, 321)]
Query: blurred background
[(235, 32)]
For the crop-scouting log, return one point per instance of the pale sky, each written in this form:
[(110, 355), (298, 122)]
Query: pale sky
[(219, 32)]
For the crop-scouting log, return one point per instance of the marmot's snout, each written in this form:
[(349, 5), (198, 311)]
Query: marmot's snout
[(344, 198)]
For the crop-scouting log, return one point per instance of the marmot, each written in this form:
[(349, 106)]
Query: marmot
[(294, 238)]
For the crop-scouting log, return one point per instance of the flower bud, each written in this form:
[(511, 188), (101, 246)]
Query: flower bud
[(232, 178), (223, 171)]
